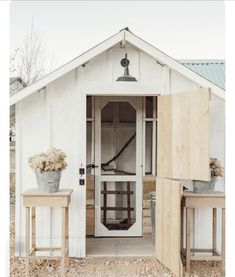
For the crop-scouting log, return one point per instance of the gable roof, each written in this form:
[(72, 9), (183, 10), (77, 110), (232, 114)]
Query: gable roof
[(213, 70), (123, 35)]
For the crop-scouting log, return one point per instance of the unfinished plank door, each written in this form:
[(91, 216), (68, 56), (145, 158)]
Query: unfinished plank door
[(168, 224), (183, 136)]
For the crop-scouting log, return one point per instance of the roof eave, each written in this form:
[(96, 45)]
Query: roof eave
[(83, 58), (105, 45)]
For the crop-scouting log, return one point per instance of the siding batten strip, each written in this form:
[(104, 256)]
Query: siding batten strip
[(18, 183), (48, 96)]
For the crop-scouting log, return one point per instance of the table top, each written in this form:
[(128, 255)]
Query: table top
[(204, 195), (35, 192)]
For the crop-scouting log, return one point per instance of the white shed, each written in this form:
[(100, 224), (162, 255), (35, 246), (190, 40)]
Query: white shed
[(168, 123)]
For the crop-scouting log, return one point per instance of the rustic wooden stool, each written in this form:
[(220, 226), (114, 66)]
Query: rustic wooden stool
[(33, 199), (214, 201)]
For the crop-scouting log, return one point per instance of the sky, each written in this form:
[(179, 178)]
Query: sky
[(182, 29)]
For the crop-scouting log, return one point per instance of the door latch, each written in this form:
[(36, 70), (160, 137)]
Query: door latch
[(81, 182), (81, 171), (94, 166)]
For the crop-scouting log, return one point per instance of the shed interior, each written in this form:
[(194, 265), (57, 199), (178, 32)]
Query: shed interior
[(118, 148)]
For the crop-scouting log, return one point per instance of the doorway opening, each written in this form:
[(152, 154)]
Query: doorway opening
[(118, 158)]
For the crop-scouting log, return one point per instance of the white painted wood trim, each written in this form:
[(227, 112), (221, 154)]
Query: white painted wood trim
[(170, 62), (18, 201), (83, 58), (166, 79), (97, 159), (93, 133), (136, 228), (154, 138), (122, 89), (49, 211), (144, 135), (117, 178), (105, 45)]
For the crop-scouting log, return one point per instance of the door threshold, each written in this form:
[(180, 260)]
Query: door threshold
[(120, 247)]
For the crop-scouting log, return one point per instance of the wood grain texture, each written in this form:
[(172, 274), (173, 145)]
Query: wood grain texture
[(183, 136), (199, 135), (168, 227), (164, 137)]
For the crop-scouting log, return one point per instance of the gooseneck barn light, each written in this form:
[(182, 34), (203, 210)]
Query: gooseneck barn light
[(126, 77)]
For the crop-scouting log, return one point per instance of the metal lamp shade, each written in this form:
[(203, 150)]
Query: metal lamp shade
[(126, 77)]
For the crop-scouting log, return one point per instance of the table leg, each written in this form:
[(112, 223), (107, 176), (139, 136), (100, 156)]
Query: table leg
[(67, 236), (188, 240), (214, 231), (223, 242), (63, 234), (33, 222), (27, 238), (182, 228)]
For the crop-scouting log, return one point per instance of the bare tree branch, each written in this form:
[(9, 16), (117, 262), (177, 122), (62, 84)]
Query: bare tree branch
[(31, 61)]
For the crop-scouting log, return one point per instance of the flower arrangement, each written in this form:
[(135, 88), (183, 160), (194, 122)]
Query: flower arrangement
[(51, 160), (216, 168)]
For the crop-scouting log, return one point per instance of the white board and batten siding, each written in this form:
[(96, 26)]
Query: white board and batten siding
[(56, 116)]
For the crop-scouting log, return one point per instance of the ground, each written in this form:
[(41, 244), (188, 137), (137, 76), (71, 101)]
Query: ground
[(101, 267)]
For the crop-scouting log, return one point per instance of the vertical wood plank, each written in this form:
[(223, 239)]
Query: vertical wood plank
[(154, 137), (199, 135), (63, 239), (188, 240), (168, 224), (180, 136), (214, 228), (129, 202), (105, 203), (182, 228), (175, 228), (144, 135), (67, 235), (223, 242), (183, 136), (164, 137), (214, 231), (33, 228), (159, 220), (27, 238), (167, 218)]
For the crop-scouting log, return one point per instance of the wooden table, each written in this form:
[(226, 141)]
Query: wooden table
[(33, 199), (214, 201)]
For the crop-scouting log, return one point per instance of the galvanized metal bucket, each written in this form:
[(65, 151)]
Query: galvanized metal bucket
[(205, 187), (48, 181)]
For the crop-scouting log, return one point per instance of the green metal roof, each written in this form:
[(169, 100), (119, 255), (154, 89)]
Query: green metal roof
[(213, 70)]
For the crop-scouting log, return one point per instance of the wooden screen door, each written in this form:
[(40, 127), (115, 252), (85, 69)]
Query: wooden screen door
[(182, 153), (118, 166)]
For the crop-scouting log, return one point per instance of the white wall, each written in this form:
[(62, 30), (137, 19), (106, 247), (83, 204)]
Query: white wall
[(32, 137), (52, 118), (217, 150)]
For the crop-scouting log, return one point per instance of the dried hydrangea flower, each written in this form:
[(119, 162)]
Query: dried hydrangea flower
[(52, 159)]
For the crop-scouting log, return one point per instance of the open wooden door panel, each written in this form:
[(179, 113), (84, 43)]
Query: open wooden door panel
[(182, 153), (183, 136), (168, 224)]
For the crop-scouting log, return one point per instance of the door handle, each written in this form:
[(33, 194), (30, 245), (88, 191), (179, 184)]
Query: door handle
[(94, 166)]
